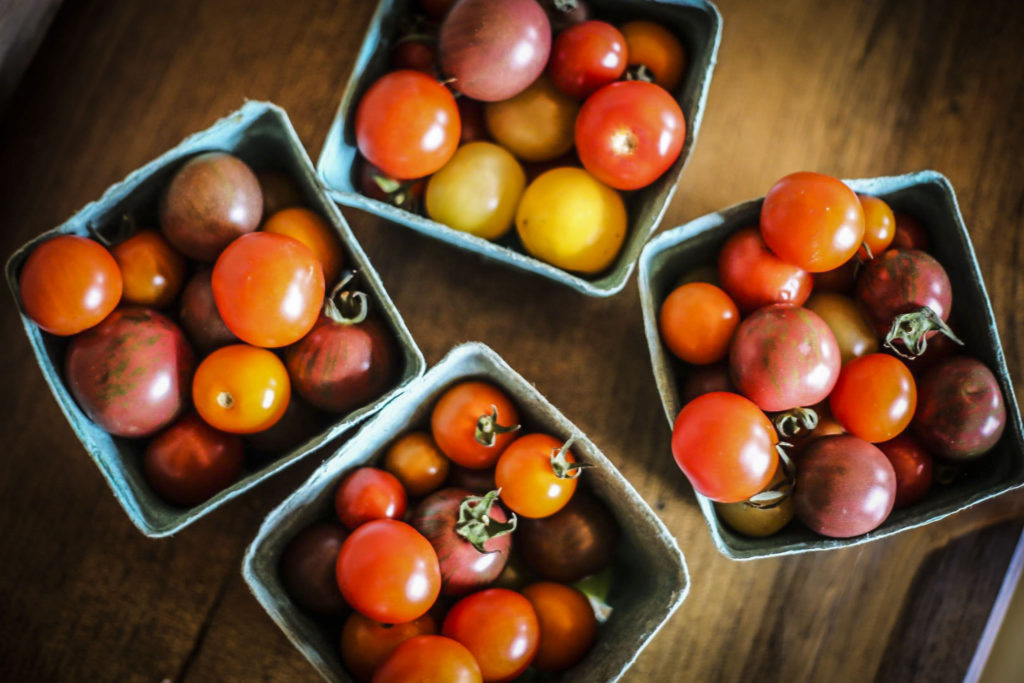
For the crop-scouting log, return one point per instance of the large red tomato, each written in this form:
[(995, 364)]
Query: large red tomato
[(499, 627), (754, 277), (191, 461)]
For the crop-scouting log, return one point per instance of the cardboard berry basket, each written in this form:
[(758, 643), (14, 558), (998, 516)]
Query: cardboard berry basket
[(651, 579), (696, 23), (261, 135), (928, 196)]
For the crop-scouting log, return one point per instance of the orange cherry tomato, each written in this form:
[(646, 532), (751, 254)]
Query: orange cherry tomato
[(418, 463), (499, 627), (534, 477), (473, 423), (567, 625), (875, 397), (366, 644), (69, 284), (429, 659), (652, 46), (241, 389), (309, 228), (697, 322), (879, 226), (152, 271), (368, 493)]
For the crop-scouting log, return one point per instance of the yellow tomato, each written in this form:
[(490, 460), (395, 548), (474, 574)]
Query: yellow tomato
[(241, 389), (572, 220), (538, 124)]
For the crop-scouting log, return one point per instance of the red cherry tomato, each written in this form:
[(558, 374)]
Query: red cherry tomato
[(532, 476), (875, 397), (586, 57), (368, 493), (152, 272), (191, 461), (473, 423), (416, 54), (879, 226), (913, 467), (909, 233), (429, 659), (697, 322), (629, 133), (499, 627), (755, 277)]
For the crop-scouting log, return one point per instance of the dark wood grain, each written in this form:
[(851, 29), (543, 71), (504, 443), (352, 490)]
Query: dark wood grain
[(854, 89), (23, 24)]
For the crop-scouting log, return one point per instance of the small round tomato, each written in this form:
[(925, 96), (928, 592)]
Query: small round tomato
[(535, 125), (429, 659), (307, 568), (535, 475), (477, 191), (962, 413), (418, 463), (388, 572), (474, 481), (69, 284), (697, 322), (571, 220), (567, 625), (755, 520), (407, 124), (191, 461), (366, 644), (313, 231), (586, 57), (199, 315), (473, 422), (413, 52), (499, 627), (879, 226), (269, 289), (577, 541), (654, 53), (368, 493), (241, 389), (841, 279), (151, 270), (704, 380), (913, 467), (875, 397), (629, 133), (909, 233), (813, 221), (725, 446), (854, 335), (755, 277), (279, 191)]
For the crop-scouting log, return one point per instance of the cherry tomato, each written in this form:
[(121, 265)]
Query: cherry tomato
[(473, 422), (913, 467), (577, 541), (241, 389), (307, 569), (366, 644), (725, 446), (152, 273), (841, 279), (199, 315), (754, 520), (474, 481), (586, 57), (69, 284), (533, 475), (268, 288), (535, 125), (697, 322), (429, 659), (191, 461), (813, 221), (499, 627), (416, 54), (279, 191), (827, 426), (654, 53), (875, 397), (755, 277), (567, 625), (629, 133), (704, 380), (313, 231), (407, 124), (571, 220), (418, 463), (368, 493), (909, 233), (853, 334), (961, 415), (879, 226)]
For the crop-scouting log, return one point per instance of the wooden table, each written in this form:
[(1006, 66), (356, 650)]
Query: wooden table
[(849, 88)]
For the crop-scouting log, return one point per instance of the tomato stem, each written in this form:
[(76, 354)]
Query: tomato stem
[(475, 523), (225, 400), (912, 329), (344, 307), (774, 496), (639, 72), (795, 422), (561, 466), (487, 428)]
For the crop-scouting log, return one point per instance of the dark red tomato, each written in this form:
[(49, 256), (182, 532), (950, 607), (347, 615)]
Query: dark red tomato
[(429, 659), (407, 124), (913, 467), (416, 54), (130, 374), (586, 57), (307, 568), (909, 233), (453, 520), (704, 380), (366, 644), (784, 357), (376, 184), (960, 411), (577, 541), (875, 397), (844, 486), (841, 279), (190, 461), (475, 481), (369, 493), (474, 125), (298, 424), (629, 133), (388, 572), (200, 318), (499, 627), (565, 13), (755, 277)]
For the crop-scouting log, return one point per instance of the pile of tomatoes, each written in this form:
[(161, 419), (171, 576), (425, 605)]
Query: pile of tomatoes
[(442, 582), (825, 377), (235, 277), (500, 149)]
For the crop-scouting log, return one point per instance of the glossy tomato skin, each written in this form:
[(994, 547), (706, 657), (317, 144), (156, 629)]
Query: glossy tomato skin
[(199, 315), (853, 333), (130, 374), (418, 463), (697, 321), (758, 522), (845, 487), (456, 415), (499, 627), (190, 461), (813, 221), (368, 493), (315, 233), (407, 124), (909, 233), (653, 47), (629, 133), (152, 272), (577, 541), (69, 284), (586, 57), (567, 625), (725, 446), (754, 277), (535, 125), (879, 226), (961, 414), (307, 569), (366, 644), (241, 389), (784, 357), (902, 281), (704, 380), (429, 659), (912, 465), (875, 397), (388, 572), (526, 477)]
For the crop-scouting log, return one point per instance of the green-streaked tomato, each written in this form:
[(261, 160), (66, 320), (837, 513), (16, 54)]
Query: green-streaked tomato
[(854, 335), (538, 124)]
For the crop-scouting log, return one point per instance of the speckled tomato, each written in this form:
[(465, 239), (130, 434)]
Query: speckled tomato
[(199, 315), (784, 357), (577, 541), (191, 461), (754, 277), (131, 373), (307, 568), (499, 627), (960, 411), (913, 467), (844, 486)]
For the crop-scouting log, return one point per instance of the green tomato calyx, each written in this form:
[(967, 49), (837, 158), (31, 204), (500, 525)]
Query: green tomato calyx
[(487, 428), (475, 523), (912, 330)]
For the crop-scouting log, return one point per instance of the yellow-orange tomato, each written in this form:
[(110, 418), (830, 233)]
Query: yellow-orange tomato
[(567, 625), (365, 644), (241, 389), (526, 475), (309, 228), (653, 46), (417, 462), (473, 422), (151, 270), (879, 226), (697, 322), (538, 124)]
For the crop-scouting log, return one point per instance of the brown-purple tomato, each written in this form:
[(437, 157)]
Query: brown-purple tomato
[(577, 541), (199, 315), (308, 568), (704, 379), (913, 467)]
